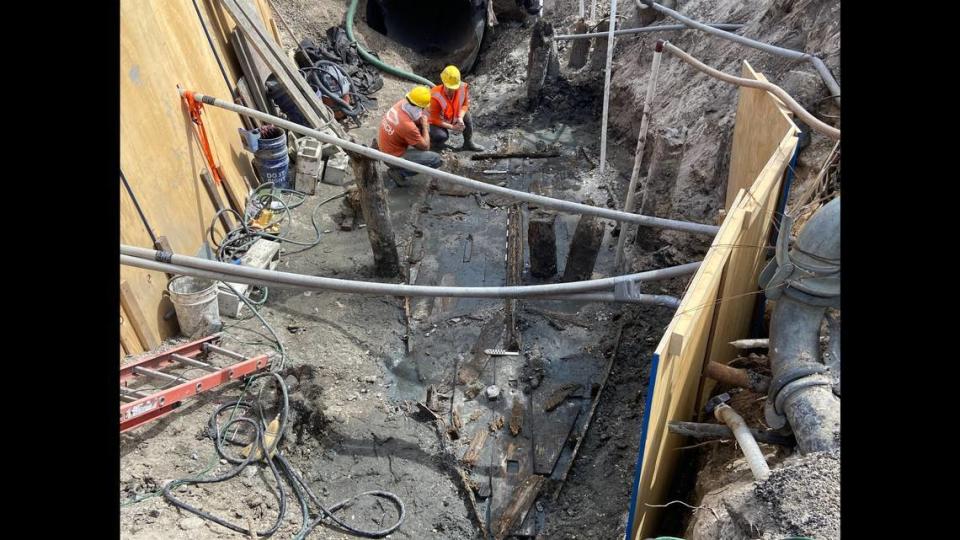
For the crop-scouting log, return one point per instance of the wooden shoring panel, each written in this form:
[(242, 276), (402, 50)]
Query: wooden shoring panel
[(681, 351), (162, 44), (761, 123), (740, 289), (147, 286), (718, 303)]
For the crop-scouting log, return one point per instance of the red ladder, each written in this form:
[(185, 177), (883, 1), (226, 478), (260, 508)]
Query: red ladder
[(141, 407)]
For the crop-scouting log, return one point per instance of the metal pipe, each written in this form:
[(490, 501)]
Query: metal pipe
[(743, 378), (193, 363), (721, 431), (766, 47), (545, 202), (787, 100), (207, 347), (645, 29), (628, 206), (812, 410), (751, 450), (182, 264), (652, 299), (147, 372), (743, 344), (804, 282), (606, 86)]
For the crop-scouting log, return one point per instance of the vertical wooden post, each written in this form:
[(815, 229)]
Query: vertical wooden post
[(638, 156), (656, 197), (542, 60), (376, 212), (514, 269), (584, 248), (580, 47), (542, 239), (606, 86)]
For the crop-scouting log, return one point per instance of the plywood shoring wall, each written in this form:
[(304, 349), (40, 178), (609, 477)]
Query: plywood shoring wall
[(163, 44), (719, 301)]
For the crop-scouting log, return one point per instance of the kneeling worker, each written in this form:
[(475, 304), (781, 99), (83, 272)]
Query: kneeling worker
[(448, 111), (405, 125)]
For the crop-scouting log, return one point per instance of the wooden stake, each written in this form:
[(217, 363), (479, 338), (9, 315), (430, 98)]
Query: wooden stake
[(376, 212), (606, 86), (638, 156)]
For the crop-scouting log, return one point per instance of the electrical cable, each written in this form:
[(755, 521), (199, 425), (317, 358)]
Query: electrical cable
[(279, 466)]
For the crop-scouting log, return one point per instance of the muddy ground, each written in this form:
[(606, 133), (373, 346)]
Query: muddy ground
[(352, 382)]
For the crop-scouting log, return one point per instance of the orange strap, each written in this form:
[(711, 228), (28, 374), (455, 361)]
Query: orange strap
[(195, 108)]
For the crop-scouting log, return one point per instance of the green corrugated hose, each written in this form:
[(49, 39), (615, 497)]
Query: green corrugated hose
[(374, 60)]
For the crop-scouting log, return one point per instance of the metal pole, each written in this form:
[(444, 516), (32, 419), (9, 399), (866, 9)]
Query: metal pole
[(196, 266), (540, 200), (581, 9), (643, 29), (638, 156), (790, 103), (606, 86), (773, 49), (593, 11)]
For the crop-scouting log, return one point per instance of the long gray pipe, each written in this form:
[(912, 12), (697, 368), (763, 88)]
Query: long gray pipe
[(807, 399), (818, 64), (182, 264), (645, 29), (545, 202), (651, 299)]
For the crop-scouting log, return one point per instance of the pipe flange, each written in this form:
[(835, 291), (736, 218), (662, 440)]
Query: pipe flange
[(771, 412), (796, 386), (774, 420)]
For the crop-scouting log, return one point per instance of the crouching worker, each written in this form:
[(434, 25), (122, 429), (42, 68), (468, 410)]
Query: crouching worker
[(448, 111), (405, 132)]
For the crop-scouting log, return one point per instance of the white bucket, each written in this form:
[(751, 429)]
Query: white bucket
[(195, 300)]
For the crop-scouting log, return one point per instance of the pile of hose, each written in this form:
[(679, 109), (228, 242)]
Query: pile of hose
[(337, 56), (278, 464)]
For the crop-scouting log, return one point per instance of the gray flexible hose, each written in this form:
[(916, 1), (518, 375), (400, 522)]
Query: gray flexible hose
[(182, 264), (642, 30), (818, 64), (545, 202), (788, 101)]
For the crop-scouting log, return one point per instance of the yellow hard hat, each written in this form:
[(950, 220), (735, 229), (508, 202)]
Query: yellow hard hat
[(450, 77), (419, 96)]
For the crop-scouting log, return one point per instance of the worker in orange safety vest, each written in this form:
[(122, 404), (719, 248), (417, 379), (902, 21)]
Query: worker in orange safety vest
[(405, 132), (449, 111)]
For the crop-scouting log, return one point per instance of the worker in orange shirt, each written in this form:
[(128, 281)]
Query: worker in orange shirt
[(404, 126), (449, 104)]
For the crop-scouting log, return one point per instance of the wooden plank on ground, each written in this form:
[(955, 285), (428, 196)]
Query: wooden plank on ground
[(136, 318), (551, 429), (129, 342), (761, 124), (477, 443), (523, 497)]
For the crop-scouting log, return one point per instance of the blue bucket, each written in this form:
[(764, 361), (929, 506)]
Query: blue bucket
[(271, 160)]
